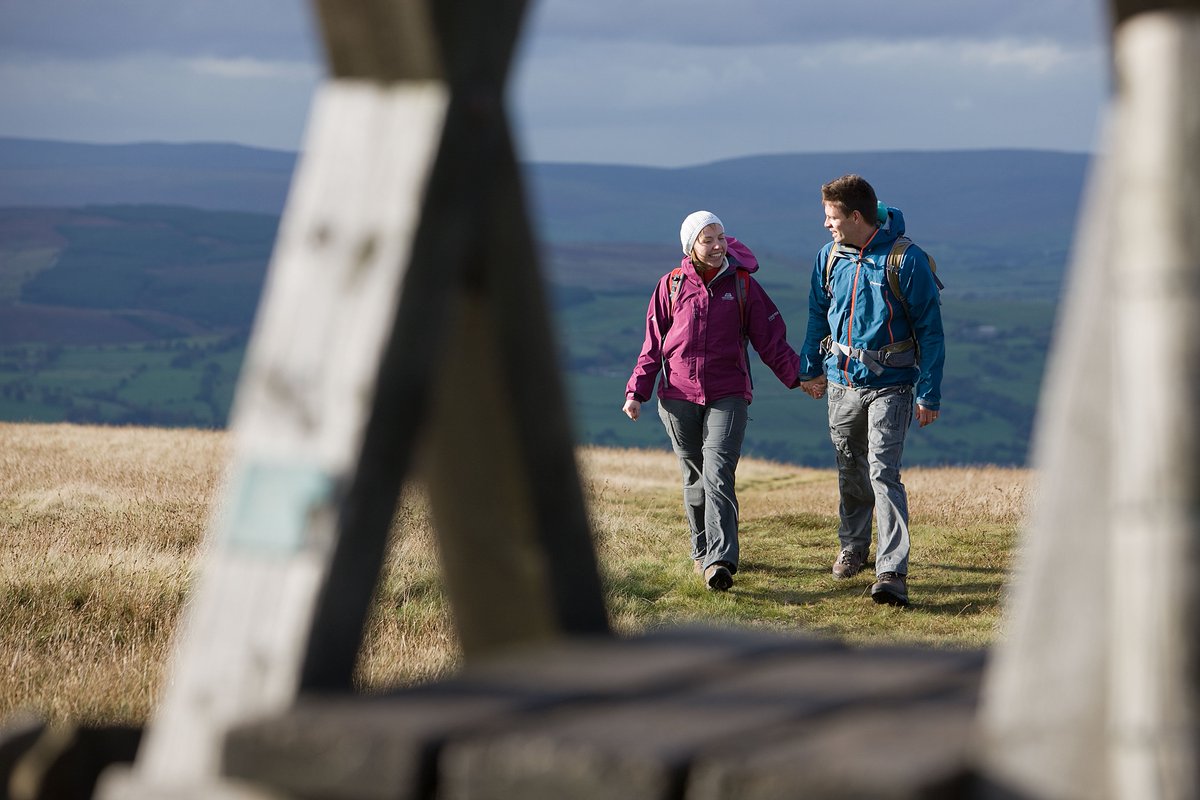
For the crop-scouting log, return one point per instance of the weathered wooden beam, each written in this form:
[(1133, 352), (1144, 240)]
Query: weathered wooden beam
[(513, 530), (1045, 697), (379, 40), (298, 421), (406, 207), (1122, 10), (516, 551), (1153, 647), (697, 713), (754, 728), (61, 761), (1094, 690), (389, 746)]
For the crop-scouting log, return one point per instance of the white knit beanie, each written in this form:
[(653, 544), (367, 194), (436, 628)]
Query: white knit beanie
[(692, 225)]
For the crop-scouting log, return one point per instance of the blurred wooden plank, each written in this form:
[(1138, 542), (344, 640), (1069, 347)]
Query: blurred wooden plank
[(395, 740), (504, 486), (379, 40), (299, 418), (1124, 9), (643, 747), (63, 761), (1100, 699), (359, 748), (1045, 696), (902, 749), (1153, 652)]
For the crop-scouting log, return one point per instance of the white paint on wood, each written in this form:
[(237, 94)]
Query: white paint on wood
[(1043, 714), (1156, 397), (1092, 688), (298, 420)]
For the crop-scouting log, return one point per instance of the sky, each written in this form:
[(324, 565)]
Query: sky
[(646, 82)]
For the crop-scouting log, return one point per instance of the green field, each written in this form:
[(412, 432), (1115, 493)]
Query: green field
[(184, 383), (140, 315), (995, 356)]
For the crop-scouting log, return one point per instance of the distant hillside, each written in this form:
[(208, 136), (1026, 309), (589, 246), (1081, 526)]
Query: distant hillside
[(102, 274), (209, 176), (129, 276), (989, 200), (1008, 204)]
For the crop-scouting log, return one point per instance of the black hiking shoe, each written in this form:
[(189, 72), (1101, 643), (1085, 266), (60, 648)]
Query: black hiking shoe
[(718, 578), (890, 588), (849, 563)]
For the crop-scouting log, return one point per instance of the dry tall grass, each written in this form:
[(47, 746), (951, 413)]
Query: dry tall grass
[(97, 531), (100, 531)]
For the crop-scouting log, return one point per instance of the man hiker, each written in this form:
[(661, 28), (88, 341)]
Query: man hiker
[(873, 345)]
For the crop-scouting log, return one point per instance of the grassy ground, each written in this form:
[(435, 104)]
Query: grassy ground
[(101, 530), (964, 523)]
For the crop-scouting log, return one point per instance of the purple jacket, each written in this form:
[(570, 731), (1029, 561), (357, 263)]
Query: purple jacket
[(700, 352)]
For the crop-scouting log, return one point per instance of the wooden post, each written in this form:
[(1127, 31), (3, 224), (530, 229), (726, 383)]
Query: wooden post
[(1093, 692), (1156, 453), (407, 200), (1045, 704)]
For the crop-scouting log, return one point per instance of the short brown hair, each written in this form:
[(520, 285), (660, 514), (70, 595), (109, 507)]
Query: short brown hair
[(851, 193)]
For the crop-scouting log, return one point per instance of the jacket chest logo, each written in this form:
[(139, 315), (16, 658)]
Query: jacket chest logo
[(728, 296)]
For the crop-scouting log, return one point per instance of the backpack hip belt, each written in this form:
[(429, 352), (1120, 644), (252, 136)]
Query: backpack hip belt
[(874, 360)]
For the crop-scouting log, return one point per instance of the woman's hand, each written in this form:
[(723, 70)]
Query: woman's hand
[(633, 409), (815, 388)]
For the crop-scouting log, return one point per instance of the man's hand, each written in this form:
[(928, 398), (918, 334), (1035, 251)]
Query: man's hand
[(815, 388), (925, 415), (633, 409)]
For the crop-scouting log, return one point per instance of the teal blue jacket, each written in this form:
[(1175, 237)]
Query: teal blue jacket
[(860, 312)]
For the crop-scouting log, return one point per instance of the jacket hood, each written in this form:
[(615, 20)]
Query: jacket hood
[(737, 252), (892, 228)]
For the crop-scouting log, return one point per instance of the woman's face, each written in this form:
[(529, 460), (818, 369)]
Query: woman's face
[(709, 248)]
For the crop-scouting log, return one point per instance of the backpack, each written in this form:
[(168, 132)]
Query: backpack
[(892, 270), (742, 282), (874, 358)]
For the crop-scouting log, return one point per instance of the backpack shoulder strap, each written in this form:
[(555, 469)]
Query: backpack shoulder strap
[(676, 285), (894, 260), (743, 291), (829, 262)]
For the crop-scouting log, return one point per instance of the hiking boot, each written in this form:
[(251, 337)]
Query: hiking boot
[(849, 563), (890, 588), (718, 578)]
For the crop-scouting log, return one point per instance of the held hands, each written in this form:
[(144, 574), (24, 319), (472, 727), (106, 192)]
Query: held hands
[(632, 409), (815, 388)]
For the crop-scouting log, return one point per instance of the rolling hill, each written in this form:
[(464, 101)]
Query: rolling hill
[(129, 276)]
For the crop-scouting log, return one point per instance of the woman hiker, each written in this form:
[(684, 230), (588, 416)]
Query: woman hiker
[(700, 318)]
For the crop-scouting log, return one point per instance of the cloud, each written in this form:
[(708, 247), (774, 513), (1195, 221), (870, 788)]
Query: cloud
[(686, 104), (664, 82), (153, 98), (255, 69), (756, 22), (98, 29), (1039, 57)]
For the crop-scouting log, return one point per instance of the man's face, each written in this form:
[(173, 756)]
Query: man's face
[(846, 229)]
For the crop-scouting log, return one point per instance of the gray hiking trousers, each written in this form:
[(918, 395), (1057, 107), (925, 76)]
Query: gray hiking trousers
[(708, 441), (867, 427)]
